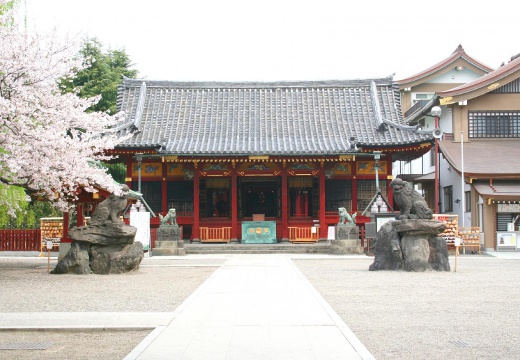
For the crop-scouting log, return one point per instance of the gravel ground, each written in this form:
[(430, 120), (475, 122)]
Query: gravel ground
[(26, 286), (468, 314)]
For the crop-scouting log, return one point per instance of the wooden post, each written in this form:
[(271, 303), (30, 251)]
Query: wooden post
[(285, 222), (164, 190), (196, 205), (323, 225), (389, 191), (234, 206), (128, 178)]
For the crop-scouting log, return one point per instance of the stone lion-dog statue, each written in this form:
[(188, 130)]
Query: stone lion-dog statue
[(411, 204), (170, 218), (344, 216), (110, 209)]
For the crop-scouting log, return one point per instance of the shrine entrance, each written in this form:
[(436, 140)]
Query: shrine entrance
[(258, 195)]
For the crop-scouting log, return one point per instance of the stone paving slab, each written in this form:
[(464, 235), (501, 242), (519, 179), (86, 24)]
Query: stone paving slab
[(254, 308)]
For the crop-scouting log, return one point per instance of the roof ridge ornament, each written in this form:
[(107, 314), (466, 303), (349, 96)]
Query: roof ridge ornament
[(376, 107)]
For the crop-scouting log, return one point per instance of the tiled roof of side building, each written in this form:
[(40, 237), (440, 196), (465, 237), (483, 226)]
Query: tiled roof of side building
[(275, 118)]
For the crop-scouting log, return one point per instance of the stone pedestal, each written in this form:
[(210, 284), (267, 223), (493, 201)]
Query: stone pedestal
[(106, 248), (347, 232), (347, 240), (169, 242), (169, 248)]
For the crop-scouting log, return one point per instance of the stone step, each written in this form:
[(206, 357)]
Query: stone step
[(281, 248)]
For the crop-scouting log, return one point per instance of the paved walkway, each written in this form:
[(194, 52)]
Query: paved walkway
[(253, 307)]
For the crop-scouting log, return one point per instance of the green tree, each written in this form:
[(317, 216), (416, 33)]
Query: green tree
[(102, 76)]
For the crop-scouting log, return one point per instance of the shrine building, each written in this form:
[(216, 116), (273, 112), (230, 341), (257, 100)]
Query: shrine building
[(288, 153)]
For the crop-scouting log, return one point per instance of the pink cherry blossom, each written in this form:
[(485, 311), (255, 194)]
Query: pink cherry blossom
[(48, 142)]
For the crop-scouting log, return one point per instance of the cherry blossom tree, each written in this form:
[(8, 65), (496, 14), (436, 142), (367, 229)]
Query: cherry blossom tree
[(48, 143)]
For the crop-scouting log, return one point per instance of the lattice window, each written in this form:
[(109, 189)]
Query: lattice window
[(338, 193), (494, 124), (152, 193)]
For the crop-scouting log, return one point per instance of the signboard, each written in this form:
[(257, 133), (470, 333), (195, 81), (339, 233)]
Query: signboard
[(51, 229), (513, 208), (141, 220), (331, 234), (506, 239), (258, 232), (381, 218)]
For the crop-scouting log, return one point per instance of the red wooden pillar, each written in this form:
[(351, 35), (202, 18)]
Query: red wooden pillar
[(164, 190), (128, 179), (354, 188), (196, 204), (66, 221), (323, 225), (234, 206), (354, 196), (285, 212), (80, 216), (389, 192)]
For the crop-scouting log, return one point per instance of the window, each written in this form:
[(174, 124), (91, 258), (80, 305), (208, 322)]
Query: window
[(338, 193), (421, 97), (152, 193), (180, 197), (494, 124), (448, 198), (467, 201)]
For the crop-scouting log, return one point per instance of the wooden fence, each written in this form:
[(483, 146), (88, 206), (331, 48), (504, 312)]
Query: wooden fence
[(222, 234), (304, 234), (30, 240), (20, 240)]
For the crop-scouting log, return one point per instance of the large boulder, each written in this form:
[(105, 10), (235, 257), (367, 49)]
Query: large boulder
[(106, 245), (104, 234), (76, 261), (412, 245), (115, 259)]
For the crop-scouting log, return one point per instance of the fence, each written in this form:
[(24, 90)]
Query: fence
[(20, 240)]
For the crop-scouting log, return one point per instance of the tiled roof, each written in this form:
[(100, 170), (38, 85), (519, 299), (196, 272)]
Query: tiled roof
[(484, 158), (282, 118), (498, 189)]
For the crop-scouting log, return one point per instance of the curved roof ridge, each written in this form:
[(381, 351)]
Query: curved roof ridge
[(257, 84), (486, 80), (457, 54)]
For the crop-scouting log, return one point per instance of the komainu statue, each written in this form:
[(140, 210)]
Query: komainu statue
[(344, 216), (170, 218), (110, 209), (411, 204)]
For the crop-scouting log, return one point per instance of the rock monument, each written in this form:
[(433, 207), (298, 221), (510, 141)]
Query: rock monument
[(411, 242), (106, 245), (169, 240)]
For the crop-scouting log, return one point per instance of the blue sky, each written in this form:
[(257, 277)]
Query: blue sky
[(272, 40)]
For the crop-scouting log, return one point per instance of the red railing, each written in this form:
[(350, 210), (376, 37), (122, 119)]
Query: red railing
[(20, 240)]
